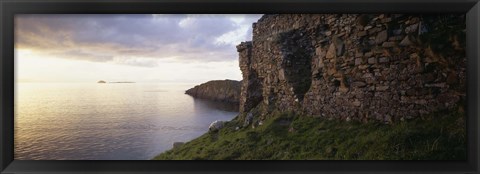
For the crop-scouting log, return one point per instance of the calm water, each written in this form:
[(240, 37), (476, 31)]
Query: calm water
[(107, 121)]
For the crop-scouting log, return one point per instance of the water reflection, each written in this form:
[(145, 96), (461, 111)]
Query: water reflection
[(224, 106), (107, 122)]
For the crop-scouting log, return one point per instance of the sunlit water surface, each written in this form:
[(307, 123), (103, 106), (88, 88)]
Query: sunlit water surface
[(60, 121)]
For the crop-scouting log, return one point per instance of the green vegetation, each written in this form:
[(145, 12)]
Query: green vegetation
[(286, 136)]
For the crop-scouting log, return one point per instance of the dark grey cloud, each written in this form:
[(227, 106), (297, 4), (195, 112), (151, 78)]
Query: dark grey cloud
[(101, 38)]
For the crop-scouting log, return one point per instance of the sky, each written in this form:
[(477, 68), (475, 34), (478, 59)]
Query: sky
[(172, 48)]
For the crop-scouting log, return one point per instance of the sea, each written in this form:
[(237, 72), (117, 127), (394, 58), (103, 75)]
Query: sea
[(110, 121)]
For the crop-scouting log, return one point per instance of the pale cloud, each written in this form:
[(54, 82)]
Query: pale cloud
[(102, 38), (135, 61)]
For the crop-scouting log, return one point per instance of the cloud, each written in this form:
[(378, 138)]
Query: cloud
[(143, 62), (80, 55), (132, 39)]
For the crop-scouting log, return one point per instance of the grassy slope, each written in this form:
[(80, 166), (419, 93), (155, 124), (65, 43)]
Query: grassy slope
[(438, 136)]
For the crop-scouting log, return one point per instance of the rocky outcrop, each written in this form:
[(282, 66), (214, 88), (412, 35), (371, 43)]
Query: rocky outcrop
[(384, 67), (217, 90), (216, 125), (178, 144)]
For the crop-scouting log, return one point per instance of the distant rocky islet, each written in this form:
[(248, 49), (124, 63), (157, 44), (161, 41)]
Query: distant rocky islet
[(102, 81)]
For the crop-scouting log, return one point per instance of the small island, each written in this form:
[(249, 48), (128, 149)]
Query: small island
[(121, 82), (101, 81)]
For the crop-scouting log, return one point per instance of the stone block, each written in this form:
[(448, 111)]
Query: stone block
[(358, 61), (332, 52), (318, 51), (356, 103), (372, 60), (381, 88), (405, 42), (385, 20), (383, 60), (358, 54), (374, 30), (368, 54), (362, 33), (397, 32), (358, 84), (381, 37), (388, 44)]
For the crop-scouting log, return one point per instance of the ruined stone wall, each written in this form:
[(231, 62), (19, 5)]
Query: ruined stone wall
[(385, 67), (251, 88)]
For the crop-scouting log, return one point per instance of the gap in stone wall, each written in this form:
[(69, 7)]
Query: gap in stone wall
[(255, 88), (297, 52)]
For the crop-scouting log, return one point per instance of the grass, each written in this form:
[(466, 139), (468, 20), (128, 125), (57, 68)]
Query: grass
[(286, 136)]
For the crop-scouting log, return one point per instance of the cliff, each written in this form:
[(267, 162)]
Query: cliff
[(384, 67), (217, 90), (322, 86)]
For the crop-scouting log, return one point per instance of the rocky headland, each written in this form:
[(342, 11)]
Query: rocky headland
[(217, 90)]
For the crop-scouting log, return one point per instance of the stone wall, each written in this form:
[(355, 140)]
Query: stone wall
[(385, 67), (251, 88)]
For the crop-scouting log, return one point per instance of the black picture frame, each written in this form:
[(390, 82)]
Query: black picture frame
[(8, 8)]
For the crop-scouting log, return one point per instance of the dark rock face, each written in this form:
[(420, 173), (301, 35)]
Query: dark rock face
[(384, 67), (217, 90), (251, 89)]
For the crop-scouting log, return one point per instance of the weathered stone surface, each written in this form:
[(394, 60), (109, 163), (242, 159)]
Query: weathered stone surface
[(367, 27), (397, 32), (332, 52), (281, 74), (358, 84), (381, 88), (328, 33), (362, 33), (215, 126), (251, 87), (383, 60), (358, 54), (374, 30), (405, 42), (411, 28), (368, 54), (343, 89), (248, 119), (318, 50), (356, 103), (452, 78), (388, 44), (381, 37), (344, 72), (386, 20), (358, 61), (339, 45)]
